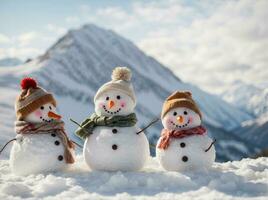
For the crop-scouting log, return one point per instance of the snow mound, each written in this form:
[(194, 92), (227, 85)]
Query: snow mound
[(235, 180)]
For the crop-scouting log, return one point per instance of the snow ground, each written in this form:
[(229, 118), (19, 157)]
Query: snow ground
[(246, 179)]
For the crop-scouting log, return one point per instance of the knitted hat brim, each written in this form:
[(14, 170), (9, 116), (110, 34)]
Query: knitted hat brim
[(117, 87), (176, 103), (33, 105)]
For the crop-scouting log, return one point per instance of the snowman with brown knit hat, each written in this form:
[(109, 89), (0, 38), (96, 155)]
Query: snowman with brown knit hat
[(41, 144), (184, 143)]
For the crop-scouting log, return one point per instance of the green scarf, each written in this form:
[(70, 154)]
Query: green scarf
[(94, 120)]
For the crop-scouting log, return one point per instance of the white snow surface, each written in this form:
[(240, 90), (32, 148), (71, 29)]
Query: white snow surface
[(245, 179)]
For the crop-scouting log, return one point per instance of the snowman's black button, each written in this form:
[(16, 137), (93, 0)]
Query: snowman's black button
[(114, 131), (60, 157), (184, 158), (114, 147), (57, 142), (53, 135), (183, 145)]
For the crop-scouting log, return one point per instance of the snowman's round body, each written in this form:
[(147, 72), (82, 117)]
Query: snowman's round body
[(193, 152), (187, 153), (116, 148), (38, 153)]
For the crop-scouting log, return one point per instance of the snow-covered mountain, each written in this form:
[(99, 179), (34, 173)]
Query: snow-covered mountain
[(248, 97), (81, 61), (10, 62), (255, 132)]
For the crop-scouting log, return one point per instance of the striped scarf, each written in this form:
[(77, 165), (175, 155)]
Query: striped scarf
[(57, 127)]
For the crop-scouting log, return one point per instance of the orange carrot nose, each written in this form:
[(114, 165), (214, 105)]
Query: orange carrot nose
[(111, 104), (53, 115), (180, 119)]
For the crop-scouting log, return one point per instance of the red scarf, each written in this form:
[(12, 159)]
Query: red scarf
[(166, 135)]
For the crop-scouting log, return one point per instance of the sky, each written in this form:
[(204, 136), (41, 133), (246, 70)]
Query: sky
[(213, 44)]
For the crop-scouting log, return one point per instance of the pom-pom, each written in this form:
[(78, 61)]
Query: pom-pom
[(188, 93), (121, 73), (27, 83)]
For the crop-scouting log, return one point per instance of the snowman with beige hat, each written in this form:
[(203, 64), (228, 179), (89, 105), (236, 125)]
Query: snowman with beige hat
[(113, 141)]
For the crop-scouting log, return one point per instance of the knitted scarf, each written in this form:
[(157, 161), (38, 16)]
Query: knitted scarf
[(57, 127), (166, 135), (87, 127)]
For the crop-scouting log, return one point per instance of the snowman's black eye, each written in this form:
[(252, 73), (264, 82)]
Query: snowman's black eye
[(118, 97), (185, 112), (175, 113), (42, 107), (107, 98), (50, 108)]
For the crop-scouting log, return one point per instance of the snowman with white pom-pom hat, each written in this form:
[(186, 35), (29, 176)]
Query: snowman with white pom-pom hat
[(41, 144), (113, 142), (184, 143)]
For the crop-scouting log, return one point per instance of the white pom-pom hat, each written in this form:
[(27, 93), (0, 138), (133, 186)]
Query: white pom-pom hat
[(121, 81)]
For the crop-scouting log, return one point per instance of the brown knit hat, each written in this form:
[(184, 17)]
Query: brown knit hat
[(31, 98), (180, 99)]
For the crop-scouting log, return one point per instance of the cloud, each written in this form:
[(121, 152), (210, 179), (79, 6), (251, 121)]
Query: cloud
[(162, 11), (4, 39), (26, 38), (212, 51), (25, 45), (56, 29), (23, 53)]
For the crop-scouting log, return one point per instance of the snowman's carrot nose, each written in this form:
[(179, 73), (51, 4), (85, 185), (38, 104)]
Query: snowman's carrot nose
[(180, 119), (111, 104), (53, 115)]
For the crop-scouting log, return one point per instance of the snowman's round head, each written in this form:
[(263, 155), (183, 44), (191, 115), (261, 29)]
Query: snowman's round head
[(180, 112), (112, 103), (45, 113), (32, 98), (116, 97), (181, 118)]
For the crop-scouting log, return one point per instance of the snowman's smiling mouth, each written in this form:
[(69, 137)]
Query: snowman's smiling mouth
[(180, 126), (45, 120), (110, 112)]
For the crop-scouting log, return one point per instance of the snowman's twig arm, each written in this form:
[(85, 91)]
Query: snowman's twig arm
[(152, 146), (7, 144), (150, 124), (77, 144), (76, 123), (210, 145)]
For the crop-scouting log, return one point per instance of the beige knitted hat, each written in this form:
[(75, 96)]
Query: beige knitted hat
[(31, 98), (180, 99), (121, 78)]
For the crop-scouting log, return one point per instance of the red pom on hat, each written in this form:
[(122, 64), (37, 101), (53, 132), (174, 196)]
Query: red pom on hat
[(27, 83)]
